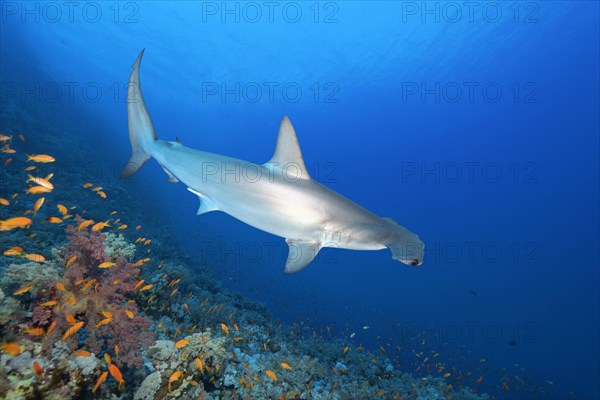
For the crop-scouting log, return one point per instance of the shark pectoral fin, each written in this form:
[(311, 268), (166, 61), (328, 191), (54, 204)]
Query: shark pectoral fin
[(287, 154), (206, 204), (171, 177), (301, 253)]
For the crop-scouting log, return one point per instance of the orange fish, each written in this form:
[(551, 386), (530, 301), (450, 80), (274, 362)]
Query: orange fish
[(100, 381), (107, 314), (181, 343), (123, 226), (97, 188), (71, 261), (38, 203), (87, 185), (116, 373), (37, 190), (271, 374), (4, 202), (22, 290), (5, 138), (14, 251), (129, 314), (41, 182), (480, 379), (85, 224), (54, 220), (99, 226), (71, 319), (41, 158), (12, 349), (101, 194), (30, 168), (225, 328), (72, 330), (51, 327), (107, 264), (285, 365), (16, 222), (34, 331), (117, 351), (173, 292), (49, 303), (82, 353), (140, 283), (35, 257), (37, 368), (60, 287), (175, 376), (147, 287), (107, 358), (63, 210), (88, 285), (199, 364), (105, 321)]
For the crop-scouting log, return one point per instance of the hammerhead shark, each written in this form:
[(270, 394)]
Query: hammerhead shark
[(278, 197)]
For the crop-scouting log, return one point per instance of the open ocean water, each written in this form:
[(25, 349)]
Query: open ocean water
[(474, 125)]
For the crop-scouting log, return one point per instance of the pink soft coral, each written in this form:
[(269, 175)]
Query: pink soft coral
[(91, 294)]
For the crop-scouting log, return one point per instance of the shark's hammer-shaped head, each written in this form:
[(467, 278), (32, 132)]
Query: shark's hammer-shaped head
[(405, 245)]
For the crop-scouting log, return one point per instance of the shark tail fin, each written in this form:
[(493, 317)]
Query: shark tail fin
[(141, 128)]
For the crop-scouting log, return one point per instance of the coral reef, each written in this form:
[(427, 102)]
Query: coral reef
[(9, 307)]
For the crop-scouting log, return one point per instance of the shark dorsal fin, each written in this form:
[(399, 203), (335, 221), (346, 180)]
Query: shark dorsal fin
[(287, 151)]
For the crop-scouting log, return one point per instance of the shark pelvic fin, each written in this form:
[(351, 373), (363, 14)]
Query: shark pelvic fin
[(287, 152), (171, 178), (301, 253), (206, 204)]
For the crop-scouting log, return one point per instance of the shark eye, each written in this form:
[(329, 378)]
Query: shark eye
[(414, 262)]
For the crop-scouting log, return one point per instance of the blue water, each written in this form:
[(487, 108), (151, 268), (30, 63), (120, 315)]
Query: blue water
[(477, 131)]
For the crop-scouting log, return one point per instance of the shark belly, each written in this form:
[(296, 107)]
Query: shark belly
[(249, 192)]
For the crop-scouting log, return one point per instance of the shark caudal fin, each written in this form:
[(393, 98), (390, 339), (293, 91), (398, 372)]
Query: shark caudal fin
[(141, 128)]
